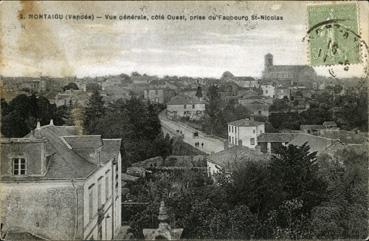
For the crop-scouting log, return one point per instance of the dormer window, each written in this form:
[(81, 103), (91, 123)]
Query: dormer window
[(19, 166)]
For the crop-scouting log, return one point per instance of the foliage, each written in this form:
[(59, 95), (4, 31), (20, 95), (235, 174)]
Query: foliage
[(295, 195), (70, 86), (219, 113), (133, 120), (348, 110), (21, 114)]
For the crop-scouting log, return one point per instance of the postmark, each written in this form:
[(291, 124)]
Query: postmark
[(333, 34)]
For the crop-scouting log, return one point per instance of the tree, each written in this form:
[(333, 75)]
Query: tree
[(94, 111), (20, 116), (294, 174), (199, 92), (214, 120), (70, 86)]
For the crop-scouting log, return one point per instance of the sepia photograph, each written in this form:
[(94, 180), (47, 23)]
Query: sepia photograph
[(170, 120)]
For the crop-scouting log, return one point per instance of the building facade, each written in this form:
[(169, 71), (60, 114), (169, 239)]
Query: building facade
[(244, 132), (185, 107), (158, 95), (58, 185)]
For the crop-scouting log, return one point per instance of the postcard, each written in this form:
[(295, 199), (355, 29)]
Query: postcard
[(184, 120)]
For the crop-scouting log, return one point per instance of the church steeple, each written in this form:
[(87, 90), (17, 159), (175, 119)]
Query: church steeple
[(268, 61)]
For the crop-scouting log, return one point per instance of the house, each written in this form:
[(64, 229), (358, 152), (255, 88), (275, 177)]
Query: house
[(72, 98), (268, 89), (232, 158), (246, 82), (311, 129), (158, 95), (282, 92), (58, 185), (270, 142), (329, 125), (317, 129), (258, 98), (257, 107), (185, 107), (317, 143), (244, 132)]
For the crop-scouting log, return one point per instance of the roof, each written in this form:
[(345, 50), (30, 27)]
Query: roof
[(291, 68), (110, 149), (129, 178), (276, 137), (316, 127), (234, 156), (329, 123), (347, 137), (65, 162), (245, 122), (244, 78), (182, 100), (83, 141), (317, 143)]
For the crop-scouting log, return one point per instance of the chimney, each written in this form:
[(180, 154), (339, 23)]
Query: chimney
[(38, 126), (51, 122)]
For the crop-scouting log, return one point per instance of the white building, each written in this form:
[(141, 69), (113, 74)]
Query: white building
[(185, 106), (244, 132), (268, 90), (58, 185)]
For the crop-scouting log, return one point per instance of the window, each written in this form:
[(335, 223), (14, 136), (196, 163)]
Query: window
[(232, 140), (156, 92), (240, 142), (229, 138), (107, 186), (99, 192), (232, 128), (19, 166), (252, 141), (90, 202), (229, 128), (184, 106), (193, 106), (253, 131)]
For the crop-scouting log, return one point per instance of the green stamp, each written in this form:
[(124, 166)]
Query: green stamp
[(333, 34)]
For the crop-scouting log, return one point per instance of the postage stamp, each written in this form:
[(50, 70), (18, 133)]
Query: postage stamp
[(333, 34)]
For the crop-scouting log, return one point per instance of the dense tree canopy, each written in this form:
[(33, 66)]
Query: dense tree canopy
[(133, 120), (21, 114), (295, 195)]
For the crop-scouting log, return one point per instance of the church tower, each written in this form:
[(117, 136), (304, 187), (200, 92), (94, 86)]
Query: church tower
[(268, 61)]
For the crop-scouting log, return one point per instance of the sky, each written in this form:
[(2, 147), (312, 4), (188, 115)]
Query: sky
[(163, 47)]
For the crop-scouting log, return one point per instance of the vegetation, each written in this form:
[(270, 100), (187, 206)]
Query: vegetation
[(294, 196), (218, 113), (20, 115), (348, 110), (133, 120)]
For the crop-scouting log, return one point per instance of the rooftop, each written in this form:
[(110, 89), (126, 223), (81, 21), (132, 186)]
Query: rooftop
[(317, 143), (182, 100), (276, 137), (234, 156), (245, 122), (65, 162)]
